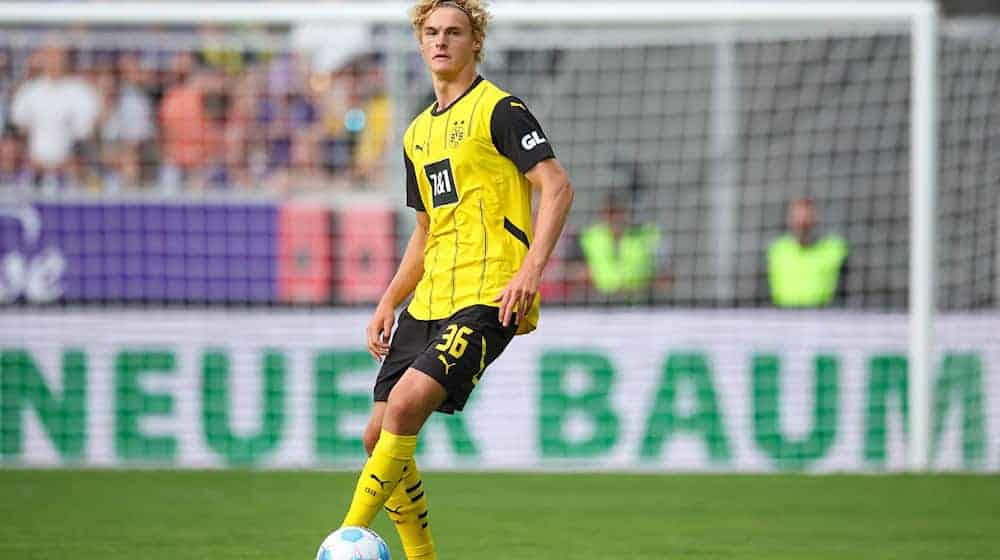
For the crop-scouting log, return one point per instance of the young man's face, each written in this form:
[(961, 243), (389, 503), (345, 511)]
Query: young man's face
[(446, 42)]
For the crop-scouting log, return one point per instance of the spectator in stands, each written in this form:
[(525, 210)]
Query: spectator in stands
[(373, 133), (6, 87), (56, 110), (627, 260), (290, 120), (245, 150), (127, 125), (304, 171), (87, 163), (356, 119), (190, 124), (13, 173), (803, 269), (335, 101), (331, 59)]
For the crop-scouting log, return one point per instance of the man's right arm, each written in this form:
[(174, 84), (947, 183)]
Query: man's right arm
[(411, 269)]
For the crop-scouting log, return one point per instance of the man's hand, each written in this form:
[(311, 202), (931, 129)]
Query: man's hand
[(379, 330), (519, 294)]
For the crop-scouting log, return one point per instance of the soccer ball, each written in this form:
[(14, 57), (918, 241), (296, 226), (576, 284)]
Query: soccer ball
[(353, 543)]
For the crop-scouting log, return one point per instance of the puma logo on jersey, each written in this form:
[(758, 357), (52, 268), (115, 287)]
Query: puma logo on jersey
[(516, 104), (532, 139), (447, 366)]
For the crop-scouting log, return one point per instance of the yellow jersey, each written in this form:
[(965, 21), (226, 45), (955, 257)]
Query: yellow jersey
[(465, 167)]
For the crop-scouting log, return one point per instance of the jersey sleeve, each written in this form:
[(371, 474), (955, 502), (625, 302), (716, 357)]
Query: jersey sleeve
[(413, 199), (517, 134)]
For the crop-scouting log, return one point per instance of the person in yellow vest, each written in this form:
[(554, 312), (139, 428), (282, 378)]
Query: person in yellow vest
[(804, 271), (626, 260)]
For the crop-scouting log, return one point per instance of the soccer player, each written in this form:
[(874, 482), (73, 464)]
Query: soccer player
[(472, 264)]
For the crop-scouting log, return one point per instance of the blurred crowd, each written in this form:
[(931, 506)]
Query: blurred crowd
[(201, 117)]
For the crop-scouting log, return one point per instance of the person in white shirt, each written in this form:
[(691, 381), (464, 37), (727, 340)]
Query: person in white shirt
[(55, 110)]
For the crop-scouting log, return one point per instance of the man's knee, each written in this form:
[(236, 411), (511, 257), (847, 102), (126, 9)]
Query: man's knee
[(411, 401), (405, 410)]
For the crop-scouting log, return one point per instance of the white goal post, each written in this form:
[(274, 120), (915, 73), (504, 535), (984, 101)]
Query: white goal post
[(920, 17)]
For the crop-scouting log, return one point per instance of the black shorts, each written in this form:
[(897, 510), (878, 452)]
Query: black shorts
[(454, 351)]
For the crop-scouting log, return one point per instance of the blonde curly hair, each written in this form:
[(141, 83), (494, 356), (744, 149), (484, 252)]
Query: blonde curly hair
[(475, 9)]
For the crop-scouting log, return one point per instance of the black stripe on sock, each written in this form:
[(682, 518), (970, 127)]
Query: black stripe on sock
[(424, 526), (417, 497), (422, 515), (414, 487)]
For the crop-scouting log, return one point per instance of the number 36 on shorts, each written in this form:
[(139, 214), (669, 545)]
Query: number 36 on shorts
[(454, 341)]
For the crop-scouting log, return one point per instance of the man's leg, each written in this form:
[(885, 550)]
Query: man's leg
[(407, 506), (411, 401)]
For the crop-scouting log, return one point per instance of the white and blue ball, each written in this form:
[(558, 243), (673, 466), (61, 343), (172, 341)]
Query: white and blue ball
[(353, 543)]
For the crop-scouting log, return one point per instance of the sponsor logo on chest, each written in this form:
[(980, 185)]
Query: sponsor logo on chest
[(441, 179)]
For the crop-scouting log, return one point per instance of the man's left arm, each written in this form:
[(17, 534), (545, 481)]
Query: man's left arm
[(550, 179)]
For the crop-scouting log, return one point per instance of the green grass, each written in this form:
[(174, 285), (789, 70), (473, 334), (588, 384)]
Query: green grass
[(222, 515)]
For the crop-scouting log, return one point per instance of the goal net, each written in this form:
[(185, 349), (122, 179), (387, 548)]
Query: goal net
[(191, 251)]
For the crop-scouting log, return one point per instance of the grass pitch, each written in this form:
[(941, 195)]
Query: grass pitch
[(171, 515)]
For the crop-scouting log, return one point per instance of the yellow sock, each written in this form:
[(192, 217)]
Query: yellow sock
[(407, 508), (380, 476)]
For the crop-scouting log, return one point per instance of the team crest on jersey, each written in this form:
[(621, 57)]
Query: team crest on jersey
[(457, 134)]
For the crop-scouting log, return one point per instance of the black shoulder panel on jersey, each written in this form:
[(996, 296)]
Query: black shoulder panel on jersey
[(517, 134), (413, 199)]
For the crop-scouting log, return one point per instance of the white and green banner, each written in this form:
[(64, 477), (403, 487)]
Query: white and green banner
[(651, 391)]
